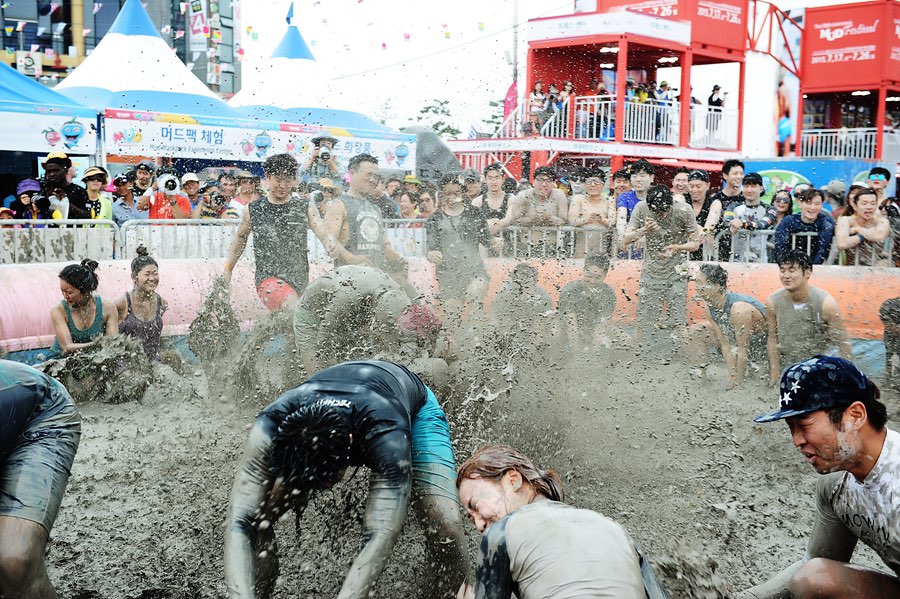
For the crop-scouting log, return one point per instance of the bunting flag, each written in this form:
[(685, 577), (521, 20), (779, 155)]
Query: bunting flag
[(86, 32), (53, 7), (10, 52), (405, 37), (480, 26), (190, 66), (98, 7), (217, 36), (183, 6), (255, 36), (35, 47), (383, 45), (20, 26), (249, 29), (40, 31), (166, 29), (49, 53), (446, 35), (205, 31), (4, 5), (59, 28), (290, 14), (312, 43), (9, 29), (179, 34), (511, 100)]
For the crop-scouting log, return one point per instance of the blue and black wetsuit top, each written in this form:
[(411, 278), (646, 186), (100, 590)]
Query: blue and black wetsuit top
[(22, 391), (380, 399)]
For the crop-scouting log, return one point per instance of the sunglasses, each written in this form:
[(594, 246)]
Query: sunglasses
[(877, 178), (96, 178)]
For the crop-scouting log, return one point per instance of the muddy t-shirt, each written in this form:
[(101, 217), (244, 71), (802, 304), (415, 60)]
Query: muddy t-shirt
[(380, 399), (279, 241), (366, 228), (676, 227), (550, 549), (868, 509), (590, 305)]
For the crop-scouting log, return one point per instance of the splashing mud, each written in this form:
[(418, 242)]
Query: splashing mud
[(216, 327)]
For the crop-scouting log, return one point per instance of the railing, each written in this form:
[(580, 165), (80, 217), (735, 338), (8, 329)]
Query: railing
[(838, 143), (56, 240), (759, 246), (178, 238), (512, 124), (713, 127), (557, 125), (595, 118), (655, 122)]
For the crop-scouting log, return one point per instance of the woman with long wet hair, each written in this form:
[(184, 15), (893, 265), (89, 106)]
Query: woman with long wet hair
[(535, 545), (82, 316)]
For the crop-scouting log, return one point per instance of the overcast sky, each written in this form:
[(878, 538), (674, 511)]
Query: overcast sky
[(455, 51)]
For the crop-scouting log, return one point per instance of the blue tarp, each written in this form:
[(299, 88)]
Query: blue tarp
[(323, 117), (153, 101), (20, 93)]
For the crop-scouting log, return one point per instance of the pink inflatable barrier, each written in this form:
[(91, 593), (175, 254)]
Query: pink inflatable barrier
[(28, 291)]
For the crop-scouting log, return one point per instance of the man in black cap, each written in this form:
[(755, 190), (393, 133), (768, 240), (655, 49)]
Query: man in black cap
[(321, 161), (670, 233), (56, 184), (143, 178), (752, 215), (838, 423)]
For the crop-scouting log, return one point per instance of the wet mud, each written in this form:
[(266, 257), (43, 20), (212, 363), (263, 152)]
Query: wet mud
[(717, 502)]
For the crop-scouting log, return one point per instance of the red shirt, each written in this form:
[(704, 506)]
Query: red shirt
[(160, 207)]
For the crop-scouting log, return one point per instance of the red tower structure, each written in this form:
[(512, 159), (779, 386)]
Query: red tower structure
[(624, 44), (850, 81)]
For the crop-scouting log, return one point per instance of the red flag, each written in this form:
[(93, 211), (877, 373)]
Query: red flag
[(511, 100)]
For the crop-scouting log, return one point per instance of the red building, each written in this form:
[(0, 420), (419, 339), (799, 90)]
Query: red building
[(623, 44), (850, 81)]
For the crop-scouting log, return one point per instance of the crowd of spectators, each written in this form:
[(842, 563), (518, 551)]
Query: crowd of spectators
[(742, 221)]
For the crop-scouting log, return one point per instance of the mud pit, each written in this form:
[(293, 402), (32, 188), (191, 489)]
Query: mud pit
[(716, 501)]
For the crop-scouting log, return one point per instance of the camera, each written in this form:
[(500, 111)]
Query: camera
[(217, 199), (168, 184), (325, 154)]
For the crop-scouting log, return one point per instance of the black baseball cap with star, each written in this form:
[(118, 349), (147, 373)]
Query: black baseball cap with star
[(819, 383)]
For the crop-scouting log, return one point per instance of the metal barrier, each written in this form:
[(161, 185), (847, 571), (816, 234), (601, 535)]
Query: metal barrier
[(168, 239), (557, 242), (759, 246), (595, 117), (407, 236), (68, 240)]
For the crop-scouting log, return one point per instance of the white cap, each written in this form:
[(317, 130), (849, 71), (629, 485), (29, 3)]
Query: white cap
[(189, 177)]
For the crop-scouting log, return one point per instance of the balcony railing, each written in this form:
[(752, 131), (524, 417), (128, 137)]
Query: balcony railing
[(858, 142), (713, 127)]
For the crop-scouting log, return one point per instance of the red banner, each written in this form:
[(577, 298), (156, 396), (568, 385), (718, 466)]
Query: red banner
[(511, 100), (845, 46)]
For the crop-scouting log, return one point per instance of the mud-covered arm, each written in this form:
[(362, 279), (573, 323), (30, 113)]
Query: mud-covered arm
[(389, 456), (246, 509), (829, 539), (493, 571)]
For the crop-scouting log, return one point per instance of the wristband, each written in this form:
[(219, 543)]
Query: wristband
[(861, 238)]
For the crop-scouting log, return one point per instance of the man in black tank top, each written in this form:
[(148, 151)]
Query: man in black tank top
[(279, 224), (356, 223)]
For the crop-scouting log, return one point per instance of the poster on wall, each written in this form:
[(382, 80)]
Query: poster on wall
[(843, 44), (47, 133)]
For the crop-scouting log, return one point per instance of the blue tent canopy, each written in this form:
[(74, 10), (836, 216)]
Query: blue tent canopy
[(323, 117), (20, 93)]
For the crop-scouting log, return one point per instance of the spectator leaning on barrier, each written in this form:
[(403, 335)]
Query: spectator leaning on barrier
[(228, 185), (802, 320), (248, 188), (752, 215), (811, 219), (427, 201), (879, 178), (70, 199), (731, 197), (541, 206), (125, 206), (167, 202), (862, 231), (495, 201), (99, 205), (593, 210), (621, 183), (190, 185), (707, 209)]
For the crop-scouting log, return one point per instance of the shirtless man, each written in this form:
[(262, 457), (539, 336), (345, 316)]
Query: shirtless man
[(356, 223), (802, 320), (541, 206), (593, 210), (838, 423), (736, 323)]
